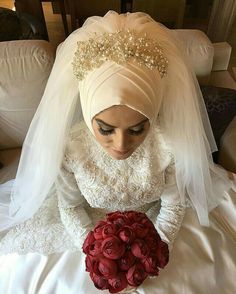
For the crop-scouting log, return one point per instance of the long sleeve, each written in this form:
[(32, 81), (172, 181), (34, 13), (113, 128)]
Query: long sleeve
[(171, 214), (72, 205)]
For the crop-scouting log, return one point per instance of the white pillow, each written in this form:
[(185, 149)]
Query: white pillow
[(24, 69), (199, 50)]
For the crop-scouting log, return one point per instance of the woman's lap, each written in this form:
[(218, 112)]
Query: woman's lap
[(202, 260)]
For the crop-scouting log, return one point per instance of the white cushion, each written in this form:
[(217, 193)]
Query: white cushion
[(222, 53), (199, 51), (25, 67)]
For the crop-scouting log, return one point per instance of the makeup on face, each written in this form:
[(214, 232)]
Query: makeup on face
[(120, 130), (106, 129)]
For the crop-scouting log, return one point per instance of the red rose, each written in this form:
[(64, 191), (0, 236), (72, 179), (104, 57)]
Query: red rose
[(151, 265), (88, 263), (114, 215), (88, 241), (139, 248), (99, 282), (92, 265), (95, 248), (97, 232), (153, 231), (108, 230), (113, 247), (135, 217), (152, 241), (118, 283), (118, 218), (162, 254), (147, 223), (126, 234), (107, 267), (136, 275), (126, 261), (140, 230)]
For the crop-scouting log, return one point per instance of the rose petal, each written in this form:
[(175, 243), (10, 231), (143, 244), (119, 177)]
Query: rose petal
[(113, 247), (136, 275), (139, 248), (95, 248), (126, 234), (140, 230), (88, 241), (109, 230), (162, 254), (118, 283), (99, 282), (126, 261), (151, 265), (107, 267), (97, 232)]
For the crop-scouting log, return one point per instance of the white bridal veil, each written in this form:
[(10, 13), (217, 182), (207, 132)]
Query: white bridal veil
[(182, 116)]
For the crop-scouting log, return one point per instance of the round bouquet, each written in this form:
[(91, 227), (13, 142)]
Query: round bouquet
[(123, 250)]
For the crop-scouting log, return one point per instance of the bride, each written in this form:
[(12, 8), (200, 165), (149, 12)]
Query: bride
[(121, 126)]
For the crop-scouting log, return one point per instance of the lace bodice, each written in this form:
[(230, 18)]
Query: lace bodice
[(117, 184), (137, 183), (91, 183)]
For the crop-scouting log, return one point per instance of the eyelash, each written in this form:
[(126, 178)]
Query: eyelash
[(110, 132)]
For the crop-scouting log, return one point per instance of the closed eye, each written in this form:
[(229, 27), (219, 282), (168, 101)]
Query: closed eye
[(112, 131), (136, 132), (106, 132), (106, 129)]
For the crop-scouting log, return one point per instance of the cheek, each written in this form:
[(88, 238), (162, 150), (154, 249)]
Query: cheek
[(138, 140), (102, 140)]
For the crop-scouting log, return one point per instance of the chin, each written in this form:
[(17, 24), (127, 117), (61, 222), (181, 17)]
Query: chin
[(120, 156)]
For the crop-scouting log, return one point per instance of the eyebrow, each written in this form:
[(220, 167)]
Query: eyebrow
[(98, 120)]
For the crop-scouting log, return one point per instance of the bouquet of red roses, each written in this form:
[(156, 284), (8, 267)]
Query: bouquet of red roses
[(123, 250)]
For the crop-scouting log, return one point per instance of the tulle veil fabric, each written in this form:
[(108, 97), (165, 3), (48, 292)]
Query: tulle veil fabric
[(182, 116)]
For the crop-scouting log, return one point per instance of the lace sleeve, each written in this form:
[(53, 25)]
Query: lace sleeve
[(72, 206), (171, 214)]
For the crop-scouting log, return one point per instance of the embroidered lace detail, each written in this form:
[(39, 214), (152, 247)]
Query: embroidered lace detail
[(44, 233), (77, 223), (169, 221), (118, 184), (170, 171)]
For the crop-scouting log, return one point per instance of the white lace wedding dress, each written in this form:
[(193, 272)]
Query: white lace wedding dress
[(43, 255)]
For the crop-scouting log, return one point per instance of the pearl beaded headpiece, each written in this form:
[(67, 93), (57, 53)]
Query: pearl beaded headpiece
[(118, 47)]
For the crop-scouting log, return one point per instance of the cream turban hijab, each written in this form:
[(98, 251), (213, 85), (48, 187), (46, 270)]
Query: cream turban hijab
[(112, 84)]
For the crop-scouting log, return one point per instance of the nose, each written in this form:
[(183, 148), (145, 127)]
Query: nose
[(121, 141)]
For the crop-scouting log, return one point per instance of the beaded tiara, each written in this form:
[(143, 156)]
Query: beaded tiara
[(119, 47)]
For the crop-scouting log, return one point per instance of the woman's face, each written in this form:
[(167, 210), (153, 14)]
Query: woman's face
[(120, 130)]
